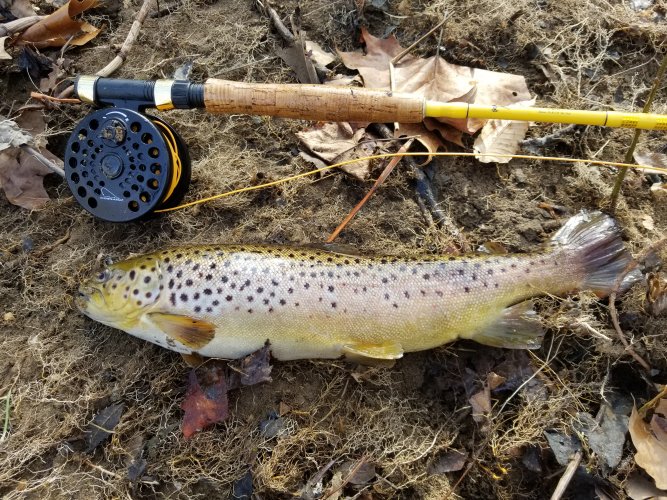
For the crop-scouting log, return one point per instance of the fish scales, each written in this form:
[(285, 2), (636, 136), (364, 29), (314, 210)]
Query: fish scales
[(311, 303)]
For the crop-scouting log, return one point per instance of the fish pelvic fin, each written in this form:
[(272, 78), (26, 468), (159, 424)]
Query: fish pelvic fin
[(593, 240), (385, 350), (518, 327), (192, 333)]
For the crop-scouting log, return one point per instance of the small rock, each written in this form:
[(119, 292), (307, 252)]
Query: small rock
[(8, 317)]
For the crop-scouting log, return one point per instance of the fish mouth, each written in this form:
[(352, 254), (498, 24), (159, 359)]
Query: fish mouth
[(84, 297)]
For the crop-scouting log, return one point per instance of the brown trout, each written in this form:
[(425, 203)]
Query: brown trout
[(226, 301)]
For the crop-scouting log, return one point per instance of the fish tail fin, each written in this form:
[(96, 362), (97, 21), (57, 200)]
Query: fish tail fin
[(593, 242)]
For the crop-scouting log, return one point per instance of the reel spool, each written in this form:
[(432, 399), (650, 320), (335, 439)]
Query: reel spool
[(121, 165)]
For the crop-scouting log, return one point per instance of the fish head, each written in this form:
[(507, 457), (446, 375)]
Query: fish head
[(119, 295)]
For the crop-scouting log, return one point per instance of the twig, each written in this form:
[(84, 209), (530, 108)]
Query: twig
[(118, 61), (51, 246), (629, 154), (347, 479), (43, 97), (567, 476), (378, 182), (280, 27), (18, 25), (405, 52), (43, 160), (425, 196), (5, 426)]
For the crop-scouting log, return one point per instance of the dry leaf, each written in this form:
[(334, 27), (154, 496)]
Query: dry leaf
[(481, 404), (336, 142), (434, 78), (449, 461), (58, 28), (651, 443), (639, 487), (103, 425), (501, 137), (656, 294), (205, 404), (651, 159), (12, 135), (21, 178), (318, 55)]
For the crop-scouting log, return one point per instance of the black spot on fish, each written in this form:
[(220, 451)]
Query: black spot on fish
[(166, 259), (503, 270), (196, 296), (170, 268), (383, 261), (296, 304), (148, 295), (232, 285), (250, 298), (274, 283), (461, 272), (179, 274), (133, 273), (266, 302), (208, 291), (142, 266), (306, 286), (209, 277), (224, 279), (188, 262), (486, 285), (153, 269), (138, 302), (466, 289), (219, 290), (114, 286), (330, 274), (290, 290), (451, 258), (250, 311), (477, 265), (474, 277), (184, 297), (172, 299), (527, 270), (188, 282), (161, 287), (489, 272), (386, 296), (513, 266), (333, 304), (407, 294), (270, 309), (197, 309), (331, 288), (384, 280), (363, 289), (272, 294), (495, 285), (260, 289), (212, 266), (282, 302), (229, 298), (439, 293), (395, 305), (135, 292), (209, 309)]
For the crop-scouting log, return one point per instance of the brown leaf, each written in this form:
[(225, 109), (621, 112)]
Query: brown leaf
[(639, 487), (21, 178), (656, 294), (501, 137), (103, 425), (651, 159), (207, 405), (449, 461), (434, 78), (318, 55), (431, 141), (481, 404), (253, 369), (56, 29), (651, 445), (337, 142)]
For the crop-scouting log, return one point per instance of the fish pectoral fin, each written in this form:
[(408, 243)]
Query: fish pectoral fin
[(192, 333), (386, 350), (519, 327)]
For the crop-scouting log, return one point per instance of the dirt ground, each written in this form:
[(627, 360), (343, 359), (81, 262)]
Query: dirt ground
[(62, 369)]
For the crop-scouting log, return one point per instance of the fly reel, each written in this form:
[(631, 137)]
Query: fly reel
[(120, 163)]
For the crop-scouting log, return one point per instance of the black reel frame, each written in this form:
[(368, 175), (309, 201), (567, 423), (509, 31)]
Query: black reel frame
[(122, 164)]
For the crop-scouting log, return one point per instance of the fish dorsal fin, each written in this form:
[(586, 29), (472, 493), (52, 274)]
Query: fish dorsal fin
[(518, 327), (192, 333), (385, 350), (338, 248)]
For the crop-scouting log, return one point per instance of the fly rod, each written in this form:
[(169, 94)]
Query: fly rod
[(123, 164)]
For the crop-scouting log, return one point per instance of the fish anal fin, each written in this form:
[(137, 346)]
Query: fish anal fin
[(385, 350), (518, 327), (192, 333)]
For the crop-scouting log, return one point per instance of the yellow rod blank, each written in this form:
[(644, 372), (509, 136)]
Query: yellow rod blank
[(460, 110)]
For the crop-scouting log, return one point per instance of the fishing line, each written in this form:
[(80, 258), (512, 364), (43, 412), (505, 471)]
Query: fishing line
[(599, 163)]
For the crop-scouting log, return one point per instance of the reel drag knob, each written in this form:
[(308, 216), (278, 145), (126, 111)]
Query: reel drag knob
[(122, 165)]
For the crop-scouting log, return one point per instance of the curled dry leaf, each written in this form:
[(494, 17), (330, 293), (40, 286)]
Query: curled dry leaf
[(3, 52), (650, 440), (651, 159), (58, 28), (656, 294)]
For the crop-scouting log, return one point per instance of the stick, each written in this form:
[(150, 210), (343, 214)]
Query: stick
[(18, 25), (43, 160), (118, 61), (567, 476), (405, 52), (280, 27), (379, 181), (628, 155)]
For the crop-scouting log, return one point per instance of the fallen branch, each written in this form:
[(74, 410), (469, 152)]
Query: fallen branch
[(118, 61), (567, 476), (43, 160), (270, 12)]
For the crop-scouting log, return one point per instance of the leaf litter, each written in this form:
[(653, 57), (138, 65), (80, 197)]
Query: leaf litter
[(650, 440)]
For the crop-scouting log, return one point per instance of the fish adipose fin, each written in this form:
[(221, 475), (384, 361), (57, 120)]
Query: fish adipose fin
[(518, 328), (386, 350), (595, 241), (192, 333)]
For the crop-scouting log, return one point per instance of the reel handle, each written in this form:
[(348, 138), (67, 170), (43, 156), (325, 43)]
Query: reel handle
[(312, 102)]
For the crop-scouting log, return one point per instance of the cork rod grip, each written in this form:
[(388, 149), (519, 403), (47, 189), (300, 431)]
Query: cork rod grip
[(312, 102)]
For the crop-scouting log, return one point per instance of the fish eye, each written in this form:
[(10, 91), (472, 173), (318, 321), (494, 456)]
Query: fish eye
[(103, 276)]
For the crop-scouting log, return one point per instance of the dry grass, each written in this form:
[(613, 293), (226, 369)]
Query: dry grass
[(62, 369)]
